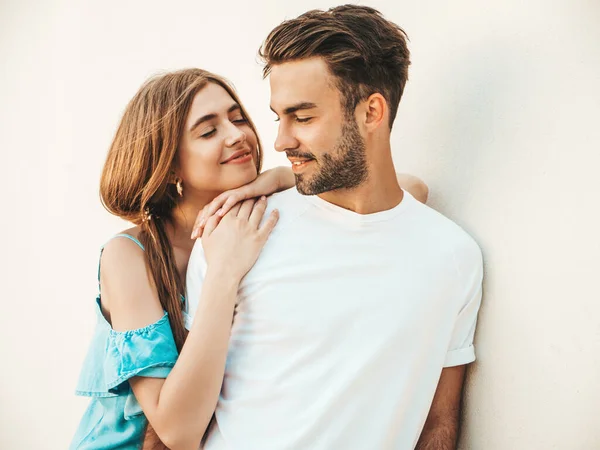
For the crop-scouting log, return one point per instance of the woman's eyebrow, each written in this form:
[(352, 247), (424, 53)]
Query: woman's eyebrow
[(211, 116)]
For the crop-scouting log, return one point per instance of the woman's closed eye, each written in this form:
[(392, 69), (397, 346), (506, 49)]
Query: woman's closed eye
[(208, 133)]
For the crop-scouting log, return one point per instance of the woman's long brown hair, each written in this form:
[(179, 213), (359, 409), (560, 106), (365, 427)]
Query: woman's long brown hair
[(137, 181)]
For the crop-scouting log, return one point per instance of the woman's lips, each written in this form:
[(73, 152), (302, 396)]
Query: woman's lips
[(242, 159)]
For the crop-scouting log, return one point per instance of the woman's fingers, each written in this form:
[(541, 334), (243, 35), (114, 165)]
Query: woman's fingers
[(258, 212), (210, 225), (215, 219), (233, 212), (199, 223), (220, 206), (214, 207), (232, 199), (267, 227), (246, 208)]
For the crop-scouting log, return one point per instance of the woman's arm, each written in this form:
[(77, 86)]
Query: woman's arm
[(180, 407), (417, 187), (280, 179)]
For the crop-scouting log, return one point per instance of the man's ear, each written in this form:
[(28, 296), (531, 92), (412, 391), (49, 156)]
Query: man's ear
[(376, 111)]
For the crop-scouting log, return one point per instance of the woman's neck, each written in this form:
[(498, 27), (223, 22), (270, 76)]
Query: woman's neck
[(182, 224)]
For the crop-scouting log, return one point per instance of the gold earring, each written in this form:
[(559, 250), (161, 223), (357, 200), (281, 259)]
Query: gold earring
[(179, 186)]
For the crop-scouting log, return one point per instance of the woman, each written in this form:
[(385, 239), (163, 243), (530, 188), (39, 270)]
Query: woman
[(185, 149)]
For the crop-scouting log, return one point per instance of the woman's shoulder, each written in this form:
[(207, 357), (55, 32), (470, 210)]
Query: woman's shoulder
[(133, 231), (122, 250), (125, 243), (126, 283)]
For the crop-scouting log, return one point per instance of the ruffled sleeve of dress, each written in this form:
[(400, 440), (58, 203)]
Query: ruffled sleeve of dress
[(116, 356)]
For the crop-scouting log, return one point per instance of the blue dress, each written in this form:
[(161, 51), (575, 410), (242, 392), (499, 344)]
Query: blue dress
[(114, 418)]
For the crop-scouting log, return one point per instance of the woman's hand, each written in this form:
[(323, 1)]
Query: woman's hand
[(233, 243), (268, 182)]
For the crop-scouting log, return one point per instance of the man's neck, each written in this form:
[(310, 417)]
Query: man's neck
[(379, 192)]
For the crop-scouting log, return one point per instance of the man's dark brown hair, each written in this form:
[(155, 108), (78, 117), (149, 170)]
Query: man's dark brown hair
[(365, 52)]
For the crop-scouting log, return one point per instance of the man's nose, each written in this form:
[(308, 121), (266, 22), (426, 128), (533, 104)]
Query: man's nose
[(285, 139)]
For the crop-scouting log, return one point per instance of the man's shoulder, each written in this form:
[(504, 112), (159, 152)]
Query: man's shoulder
[(286, 200), (445, 233), (290, 204)]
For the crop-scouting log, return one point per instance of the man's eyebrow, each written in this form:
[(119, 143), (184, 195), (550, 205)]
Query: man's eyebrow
[(297, 107), (208, 117)]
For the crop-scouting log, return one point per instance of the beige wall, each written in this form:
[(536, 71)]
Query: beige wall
[(500, 117)]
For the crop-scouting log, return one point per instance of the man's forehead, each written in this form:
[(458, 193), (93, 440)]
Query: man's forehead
[(307, 80)]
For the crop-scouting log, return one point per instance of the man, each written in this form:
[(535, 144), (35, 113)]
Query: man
[(353, 329)]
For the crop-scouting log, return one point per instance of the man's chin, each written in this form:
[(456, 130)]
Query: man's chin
[(302, 185), (302, 191), (305, 187)]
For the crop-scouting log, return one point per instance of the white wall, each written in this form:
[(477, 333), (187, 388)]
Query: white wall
[(500, 117)]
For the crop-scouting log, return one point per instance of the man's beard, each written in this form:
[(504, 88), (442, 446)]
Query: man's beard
[(344, 168)]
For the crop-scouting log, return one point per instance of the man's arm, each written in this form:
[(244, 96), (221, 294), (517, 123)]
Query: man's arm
[(442, 425)]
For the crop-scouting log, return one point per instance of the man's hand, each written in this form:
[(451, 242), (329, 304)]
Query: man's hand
[(441, 427)]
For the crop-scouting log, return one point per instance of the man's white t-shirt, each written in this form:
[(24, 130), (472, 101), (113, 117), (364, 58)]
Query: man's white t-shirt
[(343, 326)]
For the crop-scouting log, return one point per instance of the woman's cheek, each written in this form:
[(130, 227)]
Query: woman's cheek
[(201, 171)]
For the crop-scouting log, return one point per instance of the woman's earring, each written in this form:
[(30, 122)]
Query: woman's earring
[(179, 186)]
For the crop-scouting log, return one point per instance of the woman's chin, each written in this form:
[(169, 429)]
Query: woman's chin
[(242, 179)]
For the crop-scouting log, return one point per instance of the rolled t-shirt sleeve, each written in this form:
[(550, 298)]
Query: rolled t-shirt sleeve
[(196, 272), (469, 265)]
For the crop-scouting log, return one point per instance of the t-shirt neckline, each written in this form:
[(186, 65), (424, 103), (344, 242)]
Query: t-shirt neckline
[(351, 216)]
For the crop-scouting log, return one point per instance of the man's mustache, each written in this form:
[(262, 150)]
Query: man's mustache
[(297, 154)]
